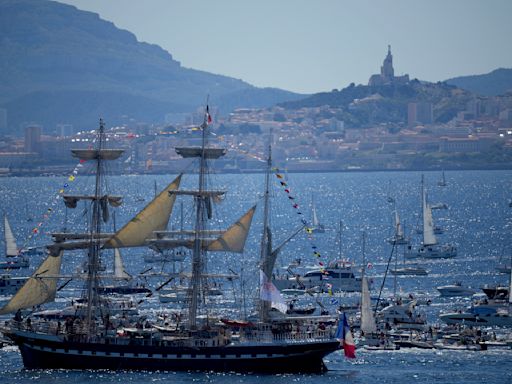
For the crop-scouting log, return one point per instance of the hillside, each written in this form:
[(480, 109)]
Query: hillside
[(493, 83), (63, 65), (361, 105)]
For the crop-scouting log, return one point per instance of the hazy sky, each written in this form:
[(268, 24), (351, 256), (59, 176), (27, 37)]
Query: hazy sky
[(312, 46)]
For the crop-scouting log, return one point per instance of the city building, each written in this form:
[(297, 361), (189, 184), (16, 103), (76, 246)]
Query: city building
[(32, 138), (419, 113)]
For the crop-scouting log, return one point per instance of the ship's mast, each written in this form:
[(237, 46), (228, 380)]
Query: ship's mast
[(94, 237), (94, 240), (198, 253), (266, 238), (203, 201)]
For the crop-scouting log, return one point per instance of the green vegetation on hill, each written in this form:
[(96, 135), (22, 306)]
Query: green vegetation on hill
[(362, 105)]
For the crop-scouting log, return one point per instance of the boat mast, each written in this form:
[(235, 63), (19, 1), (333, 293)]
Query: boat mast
[(197, 253), (266, 240), (94, 239)]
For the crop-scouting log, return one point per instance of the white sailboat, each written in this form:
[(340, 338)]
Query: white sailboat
[(370, 338), (398, 237), (15, 259), (316, 226), (368, 323), (430, 248)]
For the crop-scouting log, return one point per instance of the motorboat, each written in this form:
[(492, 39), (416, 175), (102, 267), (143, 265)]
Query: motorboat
[(455, 290), (339, 274), (409, 271), (480, 315)]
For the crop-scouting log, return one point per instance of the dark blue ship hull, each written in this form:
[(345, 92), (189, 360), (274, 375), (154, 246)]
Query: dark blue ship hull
[(271, 358)]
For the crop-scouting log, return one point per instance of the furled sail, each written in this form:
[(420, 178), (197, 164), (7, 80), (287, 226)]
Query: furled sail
[(92, 154), (233, 240), (11, 249), (119, 271), (429, 238), (154, 217), (71, 201), (368, 324), (38, 289)]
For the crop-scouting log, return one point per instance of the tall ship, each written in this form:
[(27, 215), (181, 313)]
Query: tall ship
[(94, 338)]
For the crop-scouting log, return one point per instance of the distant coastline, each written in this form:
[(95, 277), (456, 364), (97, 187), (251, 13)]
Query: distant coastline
[(64, 173)]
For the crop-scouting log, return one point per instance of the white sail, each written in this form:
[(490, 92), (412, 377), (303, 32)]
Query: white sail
[(154, 217), (11, 249), (233, 240), (38, 289), (398, 227), (315, 218), (429, 238), (119, 271), (368, 324)]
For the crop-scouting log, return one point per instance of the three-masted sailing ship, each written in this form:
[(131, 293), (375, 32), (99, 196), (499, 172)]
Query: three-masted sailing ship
[(94, 339)]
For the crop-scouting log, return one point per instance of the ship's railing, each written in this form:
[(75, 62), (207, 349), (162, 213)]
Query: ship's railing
[(51, 327), (286, 337)]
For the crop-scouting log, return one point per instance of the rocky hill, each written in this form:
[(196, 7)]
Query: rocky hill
[(362, 105), (63, 65)]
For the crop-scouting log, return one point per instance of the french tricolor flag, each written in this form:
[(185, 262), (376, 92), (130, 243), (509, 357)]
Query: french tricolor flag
[(344, 335)]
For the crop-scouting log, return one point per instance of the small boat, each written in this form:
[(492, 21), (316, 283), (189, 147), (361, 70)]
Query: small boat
[(316, 227), (338, 273), (455, 290), (403, 316), (497, 292), (409, 271), (120, 274), (15, 259), (480, 315), (398, 237), (429, 247)]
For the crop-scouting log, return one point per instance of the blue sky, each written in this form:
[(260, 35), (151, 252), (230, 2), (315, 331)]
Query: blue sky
[(318, 45)]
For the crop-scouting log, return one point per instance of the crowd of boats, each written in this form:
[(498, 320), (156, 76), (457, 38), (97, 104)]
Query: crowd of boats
[(296, 320)]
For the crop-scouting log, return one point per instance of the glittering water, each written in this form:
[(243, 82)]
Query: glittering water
[(478, 221)]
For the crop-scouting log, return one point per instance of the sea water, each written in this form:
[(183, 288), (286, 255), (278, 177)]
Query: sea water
[(478, 220)]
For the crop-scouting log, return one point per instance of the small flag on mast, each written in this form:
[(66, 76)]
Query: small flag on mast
[(208, 117)]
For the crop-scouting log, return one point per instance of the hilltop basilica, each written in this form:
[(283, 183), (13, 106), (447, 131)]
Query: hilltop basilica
[(387, 73)]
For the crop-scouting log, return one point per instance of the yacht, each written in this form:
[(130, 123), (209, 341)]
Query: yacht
[(455, 290), (480, 315), (339, 274), (403, 316)]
